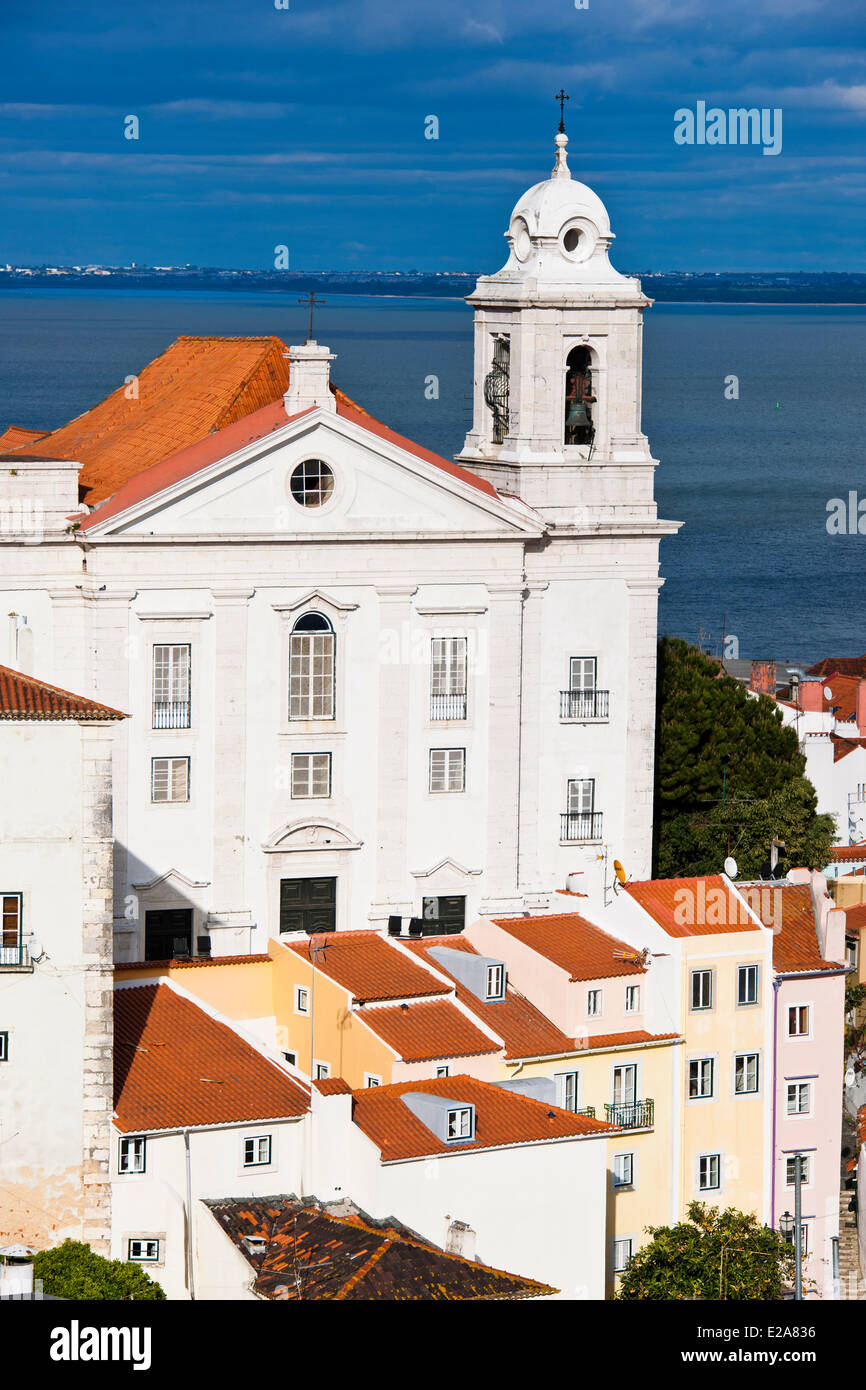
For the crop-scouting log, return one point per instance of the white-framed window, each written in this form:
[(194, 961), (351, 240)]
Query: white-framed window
[(11, 940), (581, 796), (171, 686), (495, 981), (302, 999), (370, 1079), (852, 955), (582, 673), (622, 1252), (311, 775), (311, 483), (702, 989), (312, 652), (448, 667), (747, 984), (623, 1170), (709, 1172), (632, 999), (701, 1078), (798, 1099), (4, 1047), (443, 1071), (460, 1123), (143, 1250), (798, 1021), (257, 1150), (746, 1073), (169, 779), (624, 1087), (132, 1154), (321, 1070), (594, 1003), (805, 1169), (447, 769), (567, 1089)]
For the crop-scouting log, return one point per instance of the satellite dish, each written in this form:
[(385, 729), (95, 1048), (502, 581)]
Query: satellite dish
[(619, 871), (828, 694), (731, 867), (35, 948)]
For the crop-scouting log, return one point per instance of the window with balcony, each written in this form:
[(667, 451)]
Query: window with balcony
[(11, 940), (702, 989), (583, 699), (581, 820), (747, 984), (746, 1074), (447, 769), (701, 1078), (169, 779), (311, 668), (311, 775), (171, 686), (132, 1155), (448, 678), (709, 1172)]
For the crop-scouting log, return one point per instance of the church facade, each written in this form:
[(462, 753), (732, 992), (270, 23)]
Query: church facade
[(362, 681)]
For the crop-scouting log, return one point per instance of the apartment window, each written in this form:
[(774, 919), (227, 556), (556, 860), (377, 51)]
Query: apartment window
[(311, 774), (311, 483), (625, 1084), (702, 989), (448, 678), (302, 999), (851, 952), (10, 930), (4, 1047), (799, 1097), (143, 1250), (171, 686), (701, 1078), (169, 779), (291, 1058), (623, 1170), (321, 1071), (567, 1090), (132, 1155), (798, 1021), (495, 981), (747, 984), (746, 1073), (709, 1172), (582, 673), (632, 999), (447, 769), (371, 1080), (460, 1123), (789, 1171), (622, 1253), (581, 796), (257, 1151), (311, 668), (593, 1003), (443, 1071)]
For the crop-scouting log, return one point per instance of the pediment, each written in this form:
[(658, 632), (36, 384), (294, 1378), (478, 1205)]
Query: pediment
[(446, 866), (318, 834)]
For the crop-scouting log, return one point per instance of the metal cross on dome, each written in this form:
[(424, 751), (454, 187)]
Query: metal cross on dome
[(311, 300), (562, 97)]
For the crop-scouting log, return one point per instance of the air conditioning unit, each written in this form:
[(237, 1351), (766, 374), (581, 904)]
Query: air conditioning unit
[(395, 925), (202, 945), (416, 926)]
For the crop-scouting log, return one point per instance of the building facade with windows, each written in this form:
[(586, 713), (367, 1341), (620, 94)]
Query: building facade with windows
[(364, 681)]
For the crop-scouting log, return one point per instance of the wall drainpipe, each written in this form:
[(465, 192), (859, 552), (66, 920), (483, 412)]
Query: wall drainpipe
[(190, 1262), (776, 985)]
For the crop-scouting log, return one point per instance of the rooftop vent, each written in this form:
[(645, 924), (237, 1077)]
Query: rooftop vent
[(256, 1245)]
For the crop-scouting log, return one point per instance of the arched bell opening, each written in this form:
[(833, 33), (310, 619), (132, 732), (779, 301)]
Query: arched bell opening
[(579, 397)]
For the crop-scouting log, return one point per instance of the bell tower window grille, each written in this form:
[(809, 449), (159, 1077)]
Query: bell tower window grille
[(579, 397), (496, 386)]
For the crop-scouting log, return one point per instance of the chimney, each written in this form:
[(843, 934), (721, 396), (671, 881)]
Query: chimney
[(811, 695), (860, 707), (762, 678), (309, 369)]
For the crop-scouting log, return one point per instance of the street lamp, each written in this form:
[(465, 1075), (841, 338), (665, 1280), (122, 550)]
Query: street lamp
[(793, 1226), (786, 1225)]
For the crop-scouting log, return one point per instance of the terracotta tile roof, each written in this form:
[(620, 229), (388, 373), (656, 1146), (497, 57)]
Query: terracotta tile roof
[(16, 436), (419, 1032), (501, 1118), (525, 1031), (332, 1086), (675, 902), (175, 1065), (843, 746), (795, 944), (844, 665), (364, 964), (845, 853), (855, 917), (179, 963), (861, 1124), (599, 1040), (25, 697), (316, 1253), (197, 385), (575, 945)]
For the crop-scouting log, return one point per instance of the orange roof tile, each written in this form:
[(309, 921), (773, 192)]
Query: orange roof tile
[(25, 697), (855, 917), (525, 1031), (368, 967), (844, 665), (861, 1124), (419, 1032), (501, 1118), (179, 963), (574, 944), (16, 436), (843, 746), (692, 906), (175, 1065), (332, 1086), (635, 1039), (844, 853), (795, 942)]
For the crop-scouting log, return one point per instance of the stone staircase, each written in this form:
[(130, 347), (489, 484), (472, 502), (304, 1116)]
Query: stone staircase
[(852, 1282)]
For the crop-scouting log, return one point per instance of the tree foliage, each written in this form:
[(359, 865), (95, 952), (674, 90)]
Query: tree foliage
[(714, 1255), (72, 1270), (729, 773)]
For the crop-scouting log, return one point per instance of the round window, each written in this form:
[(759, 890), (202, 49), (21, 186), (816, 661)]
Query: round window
[(311, 483), (522, 240), (571, 240)]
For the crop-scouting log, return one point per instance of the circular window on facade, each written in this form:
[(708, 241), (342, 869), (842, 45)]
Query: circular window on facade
[(571, 240), (311, 483)]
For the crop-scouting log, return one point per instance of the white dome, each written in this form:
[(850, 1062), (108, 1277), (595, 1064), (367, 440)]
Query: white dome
[(548, 207)]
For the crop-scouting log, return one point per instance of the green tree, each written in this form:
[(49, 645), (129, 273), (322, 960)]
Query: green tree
[(72, 1270), (728, 773), (714, 1255)]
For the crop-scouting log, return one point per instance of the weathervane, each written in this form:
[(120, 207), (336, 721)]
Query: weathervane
[(562, 97), (311, 300)]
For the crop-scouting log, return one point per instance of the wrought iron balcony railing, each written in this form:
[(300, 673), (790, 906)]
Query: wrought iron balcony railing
[(580, 827), (171, 714), (448, 706), (14, 957), (588, 1110), (636, 1116), (584, 704)]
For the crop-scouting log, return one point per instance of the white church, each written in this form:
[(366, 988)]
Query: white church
[(363, 682)]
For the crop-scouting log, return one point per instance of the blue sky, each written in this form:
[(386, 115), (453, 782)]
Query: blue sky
[(305, 127)]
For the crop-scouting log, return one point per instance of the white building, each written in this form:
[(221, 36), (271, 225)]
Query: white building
[(363, 681)]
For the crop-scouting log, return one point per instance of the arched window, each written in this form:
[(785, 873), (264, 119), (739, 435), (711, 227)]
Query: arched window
[(579, 397), (311, 668)]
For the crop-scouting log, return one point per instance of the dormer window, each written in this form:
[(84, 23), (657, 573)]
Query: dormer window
[(495, 981), (579, 397), (461, 1123)]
